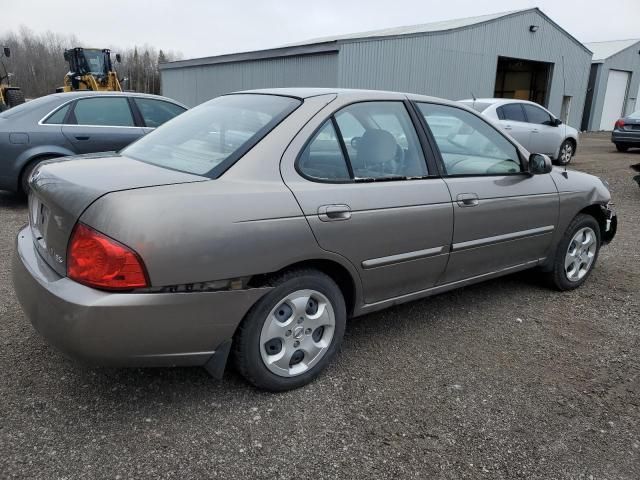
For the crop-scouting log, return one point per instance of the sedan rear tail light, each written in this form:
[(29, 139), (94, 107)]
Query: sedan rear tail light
[(619, 123), (98, 261)]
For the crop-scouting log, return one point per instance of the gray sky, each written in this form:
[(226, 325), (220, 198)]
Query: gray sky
[(200, 28)]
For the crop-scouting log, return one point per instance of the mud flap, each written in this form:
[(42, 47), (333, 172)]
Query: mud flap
[(216, 364)]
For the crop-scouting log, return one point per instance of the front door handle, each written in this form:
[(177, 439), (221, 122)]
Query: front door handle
[(82, 137), (333, 213), (467, 199), (508, 127)]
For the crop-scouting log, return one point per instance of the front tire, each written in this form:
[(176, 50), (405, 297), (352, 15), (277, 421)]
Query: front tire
[(567, 150), (576, 254), (290, 335)]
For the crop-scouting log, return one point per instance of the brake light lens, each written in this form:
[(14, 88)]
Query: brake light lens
[(98, 261), (619, 123)]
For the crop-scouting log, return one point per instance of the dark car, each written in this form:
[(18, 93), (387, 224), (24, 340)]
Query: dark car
[(626, 133), (74, 123)]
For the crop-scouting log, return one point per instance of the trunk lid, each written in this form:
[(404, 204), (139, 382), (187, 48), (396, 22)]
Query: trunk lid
[(62, 189)]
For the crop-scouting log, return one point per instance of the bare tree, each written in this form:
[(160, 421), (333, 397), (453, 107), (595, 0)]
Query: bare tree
[(38, 64)]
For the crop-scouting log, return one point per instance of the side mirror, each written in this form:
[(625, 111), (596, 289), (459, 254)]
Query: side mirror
[(556, 122), (118, 58), (539, 164), (67, 56), (7, 51)]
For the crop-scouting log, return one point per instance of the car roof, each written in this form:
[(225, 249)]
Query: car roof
[(91, 93), (501, 101), (358, 94)]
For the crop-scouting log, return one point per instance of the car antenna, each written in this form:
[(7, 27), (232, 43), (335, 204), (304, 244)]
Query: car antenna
[(564, 94), (474, 100)]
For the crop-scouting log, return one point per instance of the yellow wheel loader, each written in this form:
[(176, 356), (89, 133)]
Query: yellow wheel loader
[(9, 96), (90, 69)]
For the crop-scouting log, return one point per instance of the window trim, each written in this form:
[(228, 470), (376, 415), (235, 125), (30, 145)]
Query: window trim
[(136, 109), (407, 105), (75, 99), (432, 139)]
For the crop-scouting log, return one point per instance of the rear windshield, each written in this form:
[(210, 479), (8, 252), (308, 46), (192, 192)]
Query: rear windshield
[(478, 106), (29, 106), (635, 115), (209, 138)]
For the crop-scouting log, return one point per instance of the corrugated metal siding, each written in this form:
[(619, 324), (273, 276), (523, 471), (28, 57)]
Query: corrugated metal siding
[(456, 64), (628, 60), (194, 85)]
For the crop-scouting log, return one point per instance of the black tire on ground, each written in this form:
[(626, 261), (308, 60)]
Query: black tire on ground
[(246, 350), (621, 147), (28, 169), (14, 98), (558, 276), (567, 148)]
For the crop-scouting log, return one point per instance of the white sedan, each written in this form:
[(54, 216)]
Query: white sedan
[(533, 126)]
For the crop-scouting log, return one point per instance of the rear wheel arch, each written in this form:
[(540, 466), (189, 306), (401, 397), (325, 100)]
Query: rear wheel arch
[(336, 271), (30, 164)]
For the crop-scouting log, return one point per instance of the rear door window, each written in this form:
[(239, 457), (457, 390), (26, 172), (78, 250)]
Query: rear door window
[(381, 141), (323, 158), (104, 111), (513, 112), (156, 112), (57, 118)]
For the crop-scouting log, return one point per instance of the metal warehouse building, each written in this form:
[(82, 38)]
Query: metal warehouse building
[(520, 54), (614, 83)]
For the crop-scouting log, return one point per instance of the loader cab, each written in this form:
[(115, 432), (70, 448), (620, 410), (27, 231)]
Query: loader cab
[(90, 69), (89, 61)]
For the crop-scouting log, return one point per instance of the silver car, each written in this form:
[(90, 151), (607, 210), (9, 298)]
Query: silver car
[(74, 123), (533, 126), (255, 224)]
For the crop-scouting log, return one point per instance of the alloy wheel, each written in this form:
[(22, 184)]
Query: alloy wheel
[(566, 152), (580, 254)]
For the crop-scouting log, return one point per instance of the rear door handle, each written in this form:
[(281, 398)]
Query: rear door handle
[(333, 213), (467, 199), (82, 137)]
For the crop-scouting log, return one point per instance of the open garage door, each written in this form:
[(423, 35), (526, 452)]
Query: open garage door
[(523, 79), (614, 98)]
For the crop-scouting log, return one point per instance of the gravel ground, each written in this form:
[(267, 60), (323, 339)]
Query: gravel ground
[(506, 379)]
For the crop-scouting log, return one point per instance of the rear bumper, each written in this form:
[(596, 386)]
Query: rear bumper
[(628, 137), (125, 329)]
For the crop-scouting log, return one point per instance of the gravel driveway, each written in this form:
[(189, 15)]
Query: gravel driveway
[(505, 379)]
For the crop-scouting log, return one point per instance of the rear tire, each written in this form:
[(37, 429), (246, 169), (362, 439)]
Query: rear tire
[(290, 335), (621, 148), (28, 170), (14, 98), (576, 253), (567, 150)]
